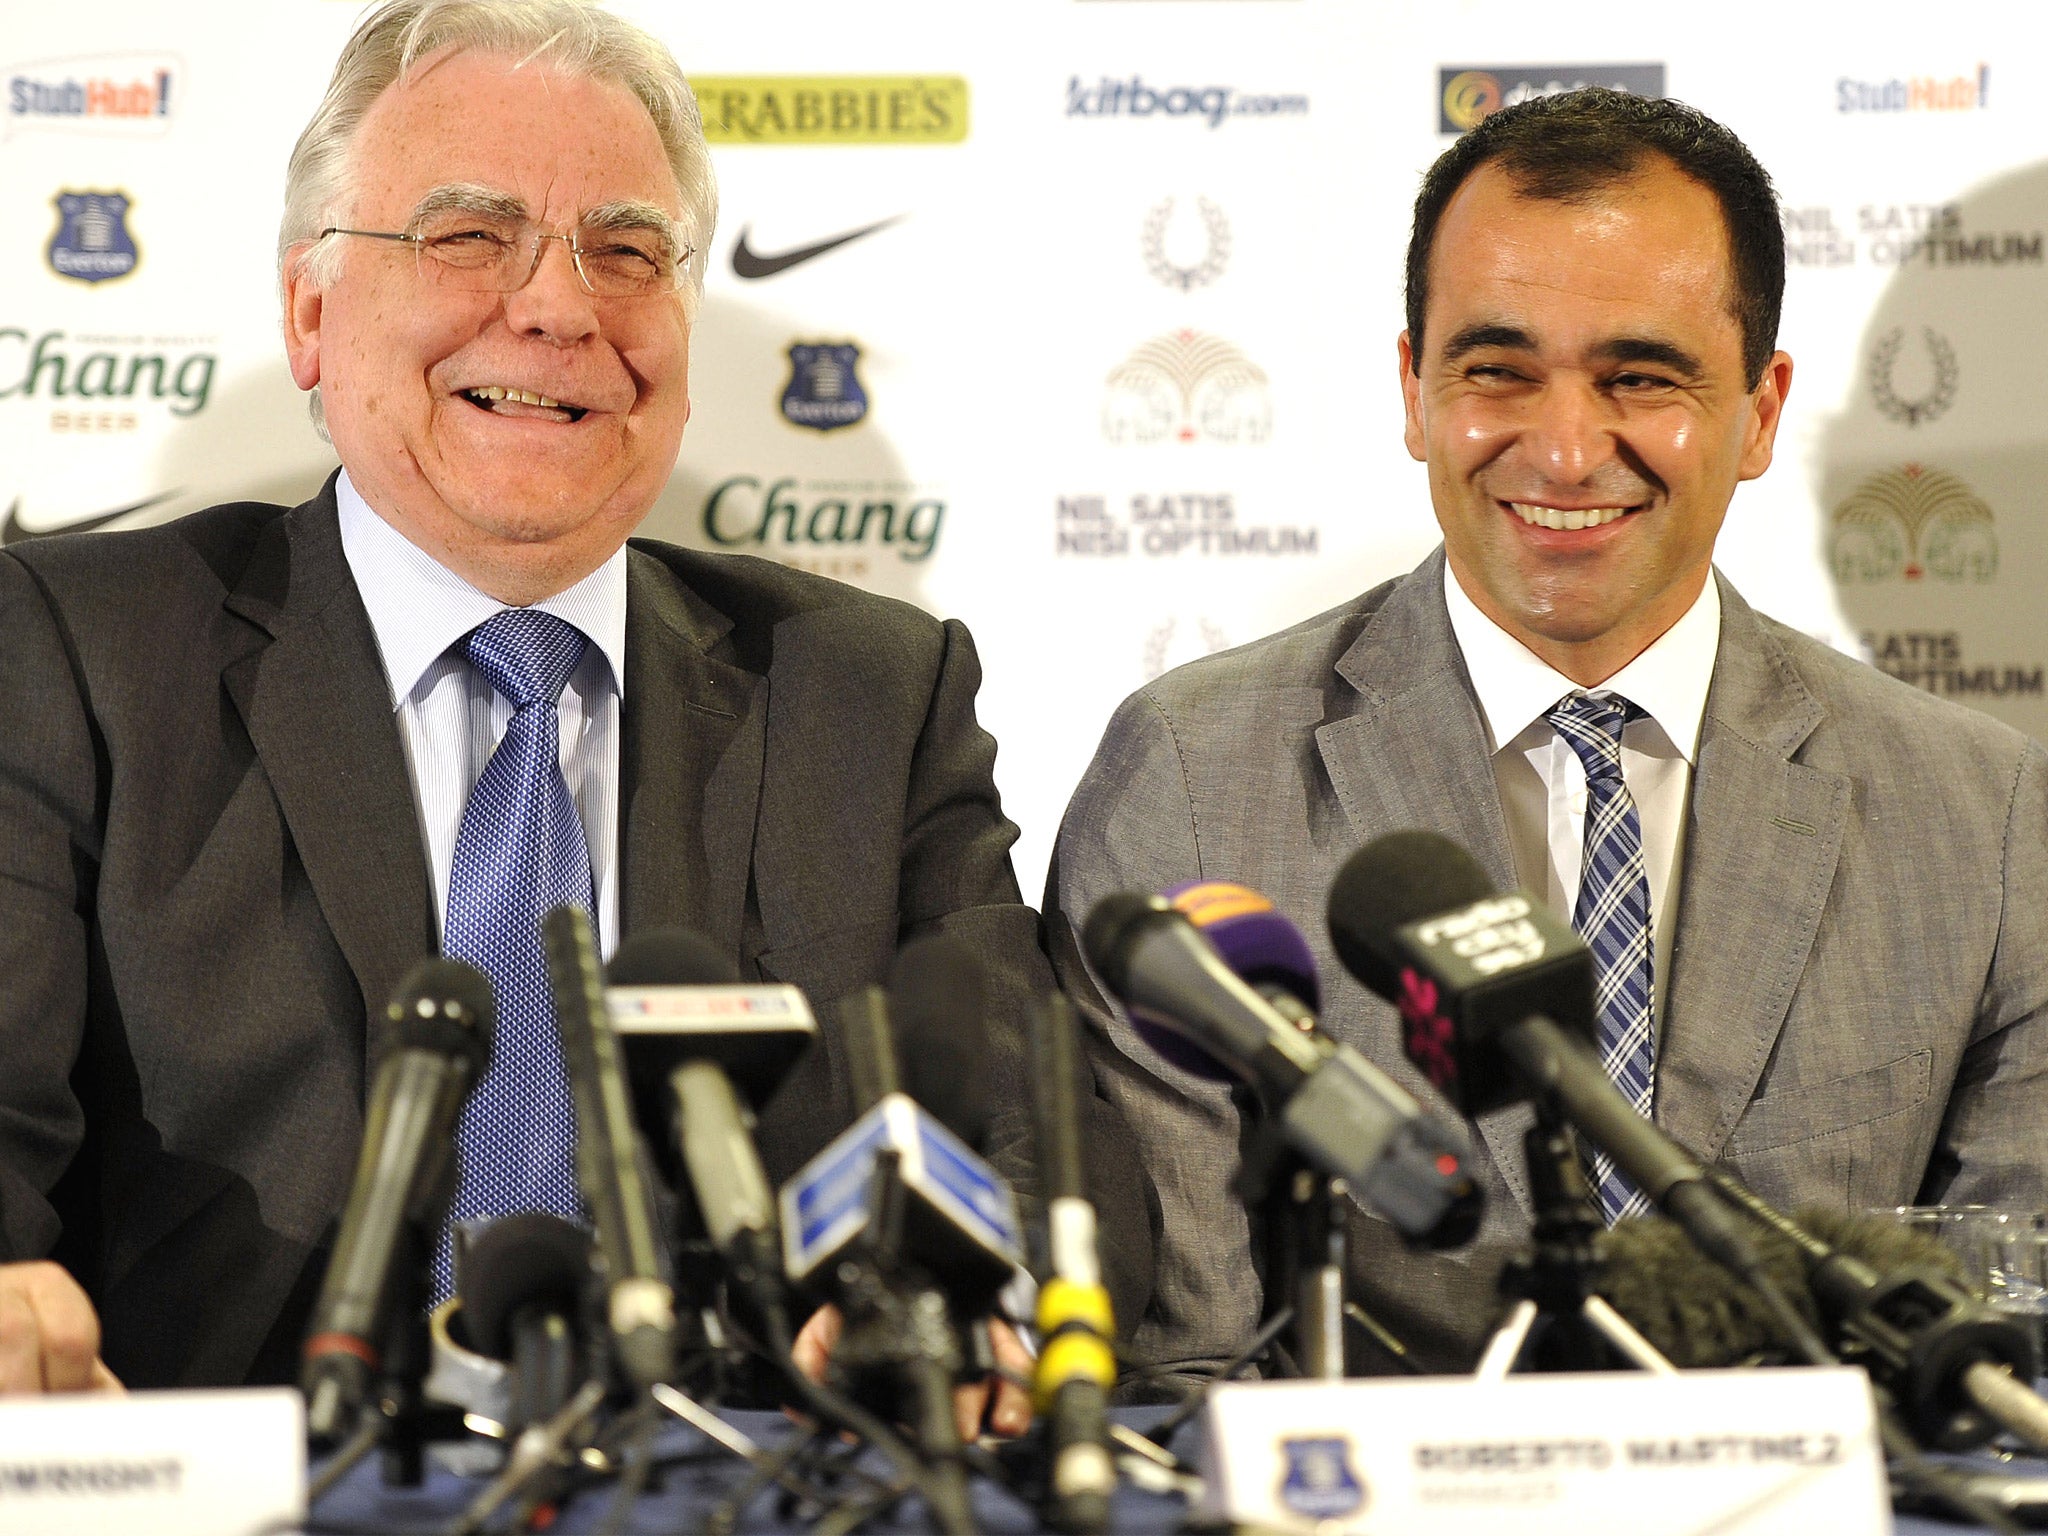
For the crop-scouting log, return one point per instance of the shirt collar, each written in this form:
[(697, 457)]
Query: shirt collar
[(1668, 681), (419, 608)]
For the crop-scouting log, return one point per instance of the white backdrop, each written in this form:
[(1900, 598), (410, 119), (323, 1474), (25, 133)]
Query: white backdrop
[(1126, 351)]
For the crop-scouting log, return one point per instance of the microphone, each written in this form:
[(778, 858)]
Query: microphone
[(702, 1050), (1894, 1302), (640, 1311), (1496, 1002), (958, 1221), (1255, 941), (1698, 1316), (437, 1041), (902, 1223), (936, 1001), (1338, 1111), (1076, 1326), (1269, 952), (522, 1287), (1960, 1369)]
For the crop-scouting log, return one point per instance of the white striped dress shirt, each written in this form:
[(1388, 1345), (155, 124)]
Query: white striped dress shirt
[(450, 720), (1543, 783)]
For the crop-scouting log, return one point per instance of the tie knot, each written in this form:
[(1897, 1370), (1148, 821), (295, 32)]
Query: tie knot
[(525, 654), (1592, 727)]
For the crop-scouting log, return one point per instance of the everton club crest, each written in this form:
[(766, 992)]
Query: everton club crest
[(92, 242), (824, 392), (1321, 1483)]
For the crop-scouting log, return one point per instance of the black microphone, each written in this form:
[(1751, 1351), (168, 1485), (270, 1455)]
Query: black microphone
[(640, 1309), (1336, 1109), (1960, 1369), (523, 1281), (1696, 1314), (936, 995), (1076, 1325), (436, 1044), (703, 1052), (1496, 1001)]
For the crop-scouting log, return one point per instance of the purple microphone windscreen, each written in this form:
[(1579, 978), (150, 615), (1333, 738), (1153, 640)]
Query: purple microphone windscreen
[(1253, 937), (1250, 937)]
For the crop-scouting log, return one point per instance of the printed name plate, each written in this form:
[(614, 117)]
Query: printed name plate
[(1789, 1451), (170, 1463)]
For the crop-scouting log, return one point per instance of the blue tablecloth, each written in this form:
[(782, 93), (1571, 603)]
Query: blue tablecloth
[(692, 1488)]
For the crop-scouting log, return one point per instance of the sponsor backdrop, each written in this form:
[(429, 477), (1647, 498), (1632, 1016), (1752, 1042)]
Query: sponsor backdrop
[(1076, 318)]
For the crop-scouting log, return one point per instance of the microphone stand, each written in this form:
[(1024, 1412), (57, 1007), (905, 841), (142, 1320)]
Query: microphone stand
[(1308, 1248), (1555, 1283), (1305, 1213), (398, 1422), (408, 1353), (900, 1327)]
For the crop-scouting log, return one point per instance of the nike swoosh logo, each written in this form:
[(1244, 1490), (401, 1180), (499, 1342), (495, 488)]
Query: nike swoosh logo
[(12, 532), (750, 263)]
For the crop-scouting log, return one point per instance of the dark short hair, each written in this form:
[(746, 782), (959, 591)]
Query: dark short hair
[(1568, 147)]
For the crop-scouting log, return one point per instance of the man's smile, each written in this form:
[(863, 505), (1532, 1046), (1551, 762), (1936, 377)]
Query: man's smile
[(1572, 519), (511, 400)]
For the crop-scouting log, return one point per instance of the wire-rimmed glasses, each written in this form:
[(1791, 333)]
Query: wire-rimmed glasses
[(460, 249)]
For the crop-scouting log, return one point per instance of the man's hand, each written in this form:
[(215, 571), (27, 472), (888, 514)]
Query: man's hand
[(1006, 1405), (49, 1333), (1011, 1410)]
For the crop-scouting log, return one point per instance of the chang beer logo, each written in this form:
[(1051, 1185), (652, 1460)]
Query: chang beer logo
[(1908, 523), (796, 519), (833, 109), (1187, 386), (53, 365)]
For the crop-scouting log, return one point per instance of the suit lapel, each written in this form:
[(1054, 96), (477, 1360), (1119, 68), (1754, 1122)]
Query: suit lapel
[(1763, 835), (318, 711), (689, 763), (1415, 754)]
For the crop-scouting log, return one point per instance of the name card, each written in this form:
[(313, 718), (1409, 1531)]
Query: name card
[(1789, 1451), (170, 1463)]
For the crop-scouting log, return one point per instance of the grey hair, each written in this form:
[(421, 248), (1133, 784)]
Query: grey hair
[(573, 36)]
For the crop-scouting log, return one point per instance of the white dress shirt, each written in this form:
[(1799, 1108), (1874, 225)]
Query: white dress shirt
[(1542, 782), (451, 720)]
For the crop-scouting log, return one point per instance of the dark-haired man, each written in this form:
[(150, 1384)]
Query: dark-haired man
[(1737, 818)]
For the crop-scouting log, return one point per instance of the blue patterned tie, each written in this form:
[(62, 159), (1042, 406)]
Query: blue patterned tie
[(1613, 917), (520, 852)]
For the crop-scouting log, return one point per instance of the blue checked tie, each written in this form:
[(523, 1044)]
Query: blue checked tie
[(1613, 917), (520, 852)]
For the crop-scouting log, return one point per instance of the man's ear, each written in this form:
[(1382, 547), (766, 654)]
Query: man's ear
[(1411, 399), (1767, 412), (302, 302)]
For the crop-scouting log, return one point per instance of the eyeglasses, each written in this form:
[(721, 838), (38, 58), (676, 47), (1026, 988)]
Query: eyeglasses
[(484, 255)]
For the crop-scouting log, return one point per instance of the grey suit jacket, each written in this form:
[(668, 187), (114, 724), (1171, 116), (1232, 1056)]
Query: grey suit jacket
[(1855, 1011), (212, 877)]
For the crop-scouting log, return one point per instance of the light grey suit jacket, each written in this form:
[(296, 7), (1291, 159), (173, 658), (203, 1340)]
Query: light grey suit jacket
[(1855, 1011)]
